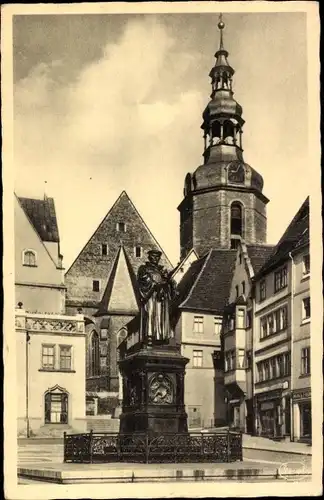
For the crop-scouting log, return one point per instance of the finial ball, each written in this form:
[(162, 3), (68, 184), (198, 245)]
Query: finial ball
[(221, 25)]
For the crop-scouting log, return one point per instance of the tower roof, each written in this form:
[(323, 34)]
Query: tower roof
[(223, 127)]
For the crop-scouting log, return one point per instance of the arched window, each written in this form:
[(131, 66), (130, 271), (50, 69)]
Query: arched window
[(94, 354), (56, 406), (121, 335), (236, 223), (29, 258)]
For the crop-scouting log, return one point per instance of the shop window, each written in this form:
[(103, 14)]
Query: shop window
[(305, 361), (306, 311), (65, 357), (198, 326), (56, 407), (306, 265), (280, 279), (305, 420), (48, 356), (197, 359), (29, 258)]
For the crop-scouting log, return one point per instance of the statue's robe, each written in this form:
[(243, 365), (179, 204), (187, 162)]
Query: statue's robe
[(156, 291)]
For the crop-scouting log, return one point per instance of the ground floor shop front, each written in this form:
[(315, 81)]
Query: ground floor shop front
[(302, 415), (272, 414)]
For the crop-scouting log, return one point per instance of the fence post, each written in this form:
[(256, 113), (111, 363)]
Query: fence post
[(241, 446), (228, 446), (90, 450), (64, 444), (147, 448)]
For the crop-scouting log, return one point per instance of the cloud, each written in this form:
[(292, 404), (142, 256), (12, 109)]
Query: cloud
[(123, 119)]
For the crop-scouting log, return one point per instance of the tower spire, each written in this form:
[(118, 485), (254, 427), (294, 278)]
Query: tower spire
[(221, 26)]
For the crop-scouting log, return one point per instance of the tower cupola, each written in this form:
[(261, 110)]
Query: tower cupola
[(223, 200)]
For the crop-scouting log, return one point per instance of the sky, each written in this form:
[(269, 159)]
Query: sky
[(106, 103)]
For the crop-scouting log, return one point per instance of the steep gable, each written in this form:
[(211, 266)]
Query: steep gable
[(27, 238), (295, 236), (91, 264), (120, 296)]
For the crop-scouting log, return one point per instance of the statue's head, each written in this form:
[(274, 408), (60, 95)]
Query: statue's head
[(154, 256)]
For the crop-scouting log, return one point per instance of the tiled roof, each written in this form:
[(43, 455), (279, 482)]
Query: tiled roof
[(295, 236), (42, 215), (258, 255), (206, 284)]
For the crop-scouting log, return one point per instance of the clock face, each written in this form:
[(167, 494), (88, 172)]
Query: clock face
[(236, 173)]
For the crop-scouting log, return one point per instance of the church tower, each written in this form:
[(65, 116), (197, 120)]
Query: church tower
[(223, 200)]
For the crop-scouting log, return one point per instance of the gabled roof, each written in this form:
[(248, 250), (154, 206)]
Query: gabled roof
[(258, 255), (122, 198), (183, 261), (205, 286), (42, 216), (295, 236), (120, 295)]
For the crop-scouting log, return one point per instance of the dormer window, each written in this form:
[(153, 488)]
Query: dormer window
[(29, 258), (121, 227)]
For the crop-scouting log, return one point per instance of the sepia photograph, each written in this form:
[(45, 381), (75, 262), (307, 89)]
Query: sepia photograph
[(162, 249)]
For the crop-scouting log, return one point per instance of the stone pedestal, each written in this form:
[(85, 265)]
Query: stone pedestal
[(153, 390)]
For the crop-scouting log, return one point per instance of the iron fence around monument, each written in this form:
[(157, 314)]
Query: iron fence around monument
[(94, 447)]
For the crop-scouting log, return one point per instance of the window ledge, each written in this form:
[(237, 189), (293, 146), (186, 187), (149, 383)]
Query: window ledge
[(305, 277), (30, 265), (305, 321), (280, 289), (51, 370), (273, 334), (304, 375)]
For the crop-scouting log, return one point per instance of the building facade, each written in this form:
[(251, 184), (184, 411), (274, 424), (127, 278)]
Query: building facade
[(197, 320), (301, 345), (281, 336), (50, 346), (102, 283), (237, 336)]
